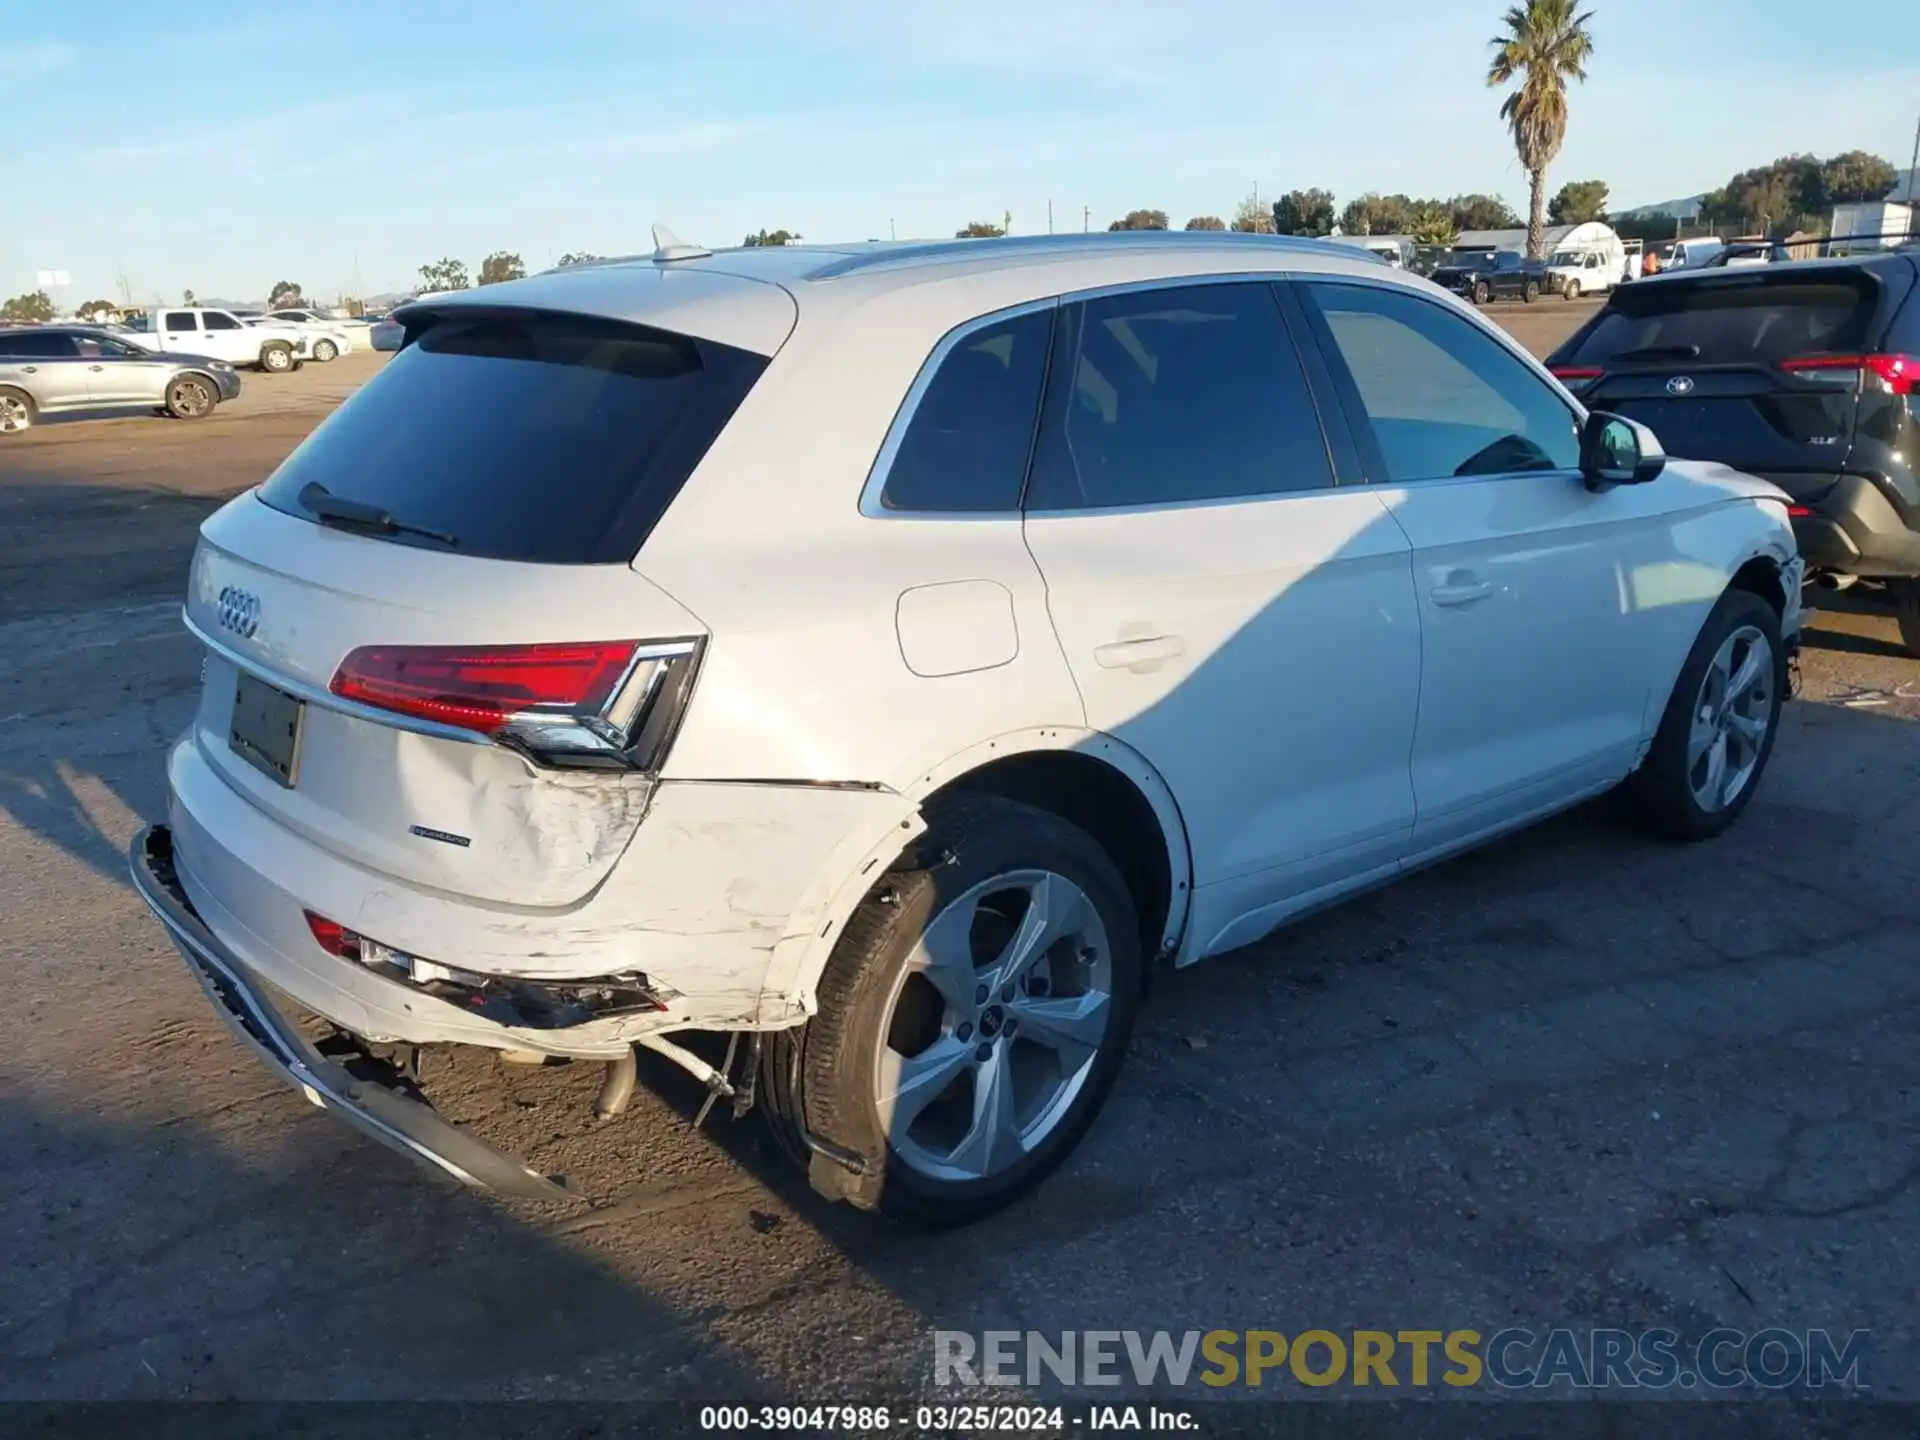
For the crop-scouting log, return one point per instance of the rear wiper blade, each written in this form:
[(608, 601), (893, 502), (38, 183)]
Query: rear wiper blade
[(1658, 352), (338, 510)]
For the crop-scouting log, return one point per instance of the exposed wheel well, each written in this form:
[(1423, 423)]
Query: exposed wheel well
[(1762, 577), (1091, 794)]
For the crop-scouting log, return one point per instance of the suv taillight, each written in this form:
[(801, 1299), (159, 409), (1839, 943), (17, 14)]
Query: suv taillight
[(1901, 372), (600, 704)]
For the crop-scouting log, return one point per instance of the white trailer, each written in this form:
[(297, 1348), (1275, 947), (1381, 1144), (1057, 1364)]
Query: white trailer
[(1869, 225)]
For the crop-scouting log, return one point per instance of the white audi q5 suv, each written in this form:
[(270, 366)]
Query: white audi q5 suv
[(891, 654)]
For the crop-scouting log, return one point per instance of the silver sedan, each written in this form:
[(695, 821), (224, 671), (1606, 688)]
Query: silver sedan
[(53, 368)]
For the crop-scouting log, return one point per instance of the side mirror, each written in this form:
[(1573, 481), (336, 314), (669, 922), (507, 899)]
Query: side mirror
[(1617, 451)]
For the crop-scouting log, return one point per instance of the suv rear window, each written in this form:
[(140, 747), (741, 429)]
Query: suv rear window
[(547, 438), (1759, 319)]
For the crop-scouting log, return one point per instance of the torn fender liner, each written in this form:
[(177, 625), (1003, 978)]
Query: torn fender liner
[(386, 1113)]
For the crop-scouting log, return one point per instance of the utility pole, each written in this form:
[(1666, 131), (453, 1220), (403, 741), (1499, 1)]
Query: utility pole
[(1086, 218), (1913, 167), (890, 234), (1049, 216)]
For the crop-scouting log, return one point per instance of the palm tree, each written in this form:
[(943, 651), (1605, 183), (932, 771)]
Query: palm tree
[(1545, 44)]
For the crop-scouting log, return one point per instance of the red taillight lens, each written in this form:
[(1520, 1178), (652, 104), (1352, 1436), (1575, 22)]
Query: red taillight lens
[(1798, 511), (475, 688), (1576, 372), (1901, 372), (333, 937)]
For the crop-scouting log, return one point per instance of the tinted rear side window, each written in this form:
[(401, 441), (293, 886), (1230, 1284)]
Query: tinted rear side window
[(1176, 396), (533, 437), (965, 449), (1743, 319)]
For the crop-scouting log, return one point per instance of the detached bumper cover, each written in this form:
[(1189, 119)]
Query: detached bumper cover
[(384, 1112)]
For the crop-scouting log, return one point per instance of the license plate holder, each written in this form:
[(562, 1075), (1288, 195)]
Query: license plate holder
[(265, 728)]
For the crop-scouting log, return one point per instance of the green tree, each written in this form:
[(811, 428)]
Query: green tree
[(1545, 44), (444, 274), (1251, 217), (1431, 223), (1855, 176), (285, 296), (772, 237), (1141, 220), (1788, 195), (1579, 201), (1375, 214), (980, 230), (501, 266), (1481, 212), (98, 311), (35, 306), (1206, 222), (1304, 212), (577, 257)]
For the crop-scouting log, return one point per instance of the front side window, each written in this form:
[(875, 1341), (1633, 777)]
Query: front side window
[(216, 321), (965, 446), (180, 320), (1442, 397), (1176, 396)]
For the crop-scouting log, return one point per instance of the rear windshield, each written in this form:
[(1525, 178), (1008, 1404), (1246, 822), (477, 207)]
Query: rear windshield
[(1743, 319), (546, 438)]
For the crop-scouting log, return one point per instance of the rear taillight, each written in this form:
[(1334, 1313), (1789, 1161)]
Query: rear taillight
[(1576, 372), (1799, 512), (595, 703), (333, 937), (1900, 372)]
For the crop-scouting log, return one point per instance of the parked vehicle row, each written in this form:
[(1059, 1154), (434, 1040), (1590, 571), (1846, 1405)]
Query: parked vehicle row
[(189, 330), (50, 369), (889, 655), (1485, 275)]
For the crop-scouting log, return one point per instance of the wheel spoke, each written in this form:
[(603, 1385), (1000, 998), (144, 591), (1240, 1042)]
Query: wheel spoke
[(1702, 734), (1751, 729), (945, 956), (909, 1083), (1712, 786), (993, 1141), (1072, 1026), (1747, 675), (1055, 907)]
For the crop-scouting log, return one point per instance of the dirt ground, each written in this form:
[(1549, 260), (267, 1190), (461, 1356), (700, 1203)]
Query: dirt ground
[(1577, 1079)]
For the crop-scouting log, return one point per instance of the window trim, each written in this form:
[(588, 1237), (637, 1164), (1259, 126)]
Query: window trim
[(871, 505), (1372, 458), (872, 509)]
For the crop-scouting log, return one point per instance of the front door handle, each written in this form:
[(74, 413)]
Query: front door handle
[(96, 369), (1139, 656), (1462, 592), (29, 369)]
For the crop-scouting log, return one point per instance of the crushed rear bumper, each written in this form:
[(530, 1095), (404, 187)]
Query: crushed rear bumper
[(382, 1110)]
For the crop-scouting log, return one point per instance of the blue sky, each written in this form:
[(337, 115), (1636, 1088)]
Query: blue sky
[(226, 146)]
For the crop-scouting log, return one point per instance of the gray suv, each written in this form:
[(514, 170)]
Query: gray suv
[(49, 369)]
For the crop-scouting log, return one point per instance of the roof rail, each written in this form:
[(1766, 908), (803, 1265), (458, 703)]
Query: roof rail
[(958, 249)]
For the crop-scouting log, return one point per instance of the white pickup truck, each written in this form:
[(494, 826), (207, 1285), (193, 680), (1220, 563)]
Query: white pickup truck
[(221, 335)]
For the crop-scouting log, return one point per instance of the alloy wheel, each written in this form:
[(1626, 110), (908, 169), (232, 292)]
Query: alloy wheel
[(14, 414), (994, 1025), (1731, 716)]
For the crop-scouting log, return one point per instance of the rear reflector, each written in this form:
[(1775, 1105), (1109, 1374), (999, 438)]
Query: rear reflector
[(473, 688), (333, 937), (1901, 372)]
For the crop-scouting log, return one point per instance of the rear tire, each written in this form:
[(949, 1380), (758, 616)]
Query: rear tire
[(191, 398), (1906, 607), (276, 358), (905, 1059), (1530, 292), (1719, 707), (17, 410), (1482, 292)]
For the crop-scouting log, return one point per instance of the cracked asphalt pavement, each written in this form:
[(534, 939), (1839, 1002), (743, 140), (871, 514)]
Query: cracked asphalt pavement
[(1575, 1079)]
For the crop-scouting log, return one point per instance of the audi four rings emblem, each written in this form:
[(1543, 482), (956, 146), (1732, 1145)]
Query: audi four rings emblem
[(1679, 384), (239, 611)]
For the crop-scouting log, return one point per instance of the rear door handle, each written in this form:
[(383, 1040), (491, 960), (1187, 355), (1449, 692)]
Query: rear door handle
[(29, 369), (96, 368), (1462, 592), (1139, 656)]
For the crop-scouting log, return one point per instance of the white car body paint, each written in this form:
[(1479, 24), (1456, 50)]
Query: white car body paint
[(1275, 676)]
